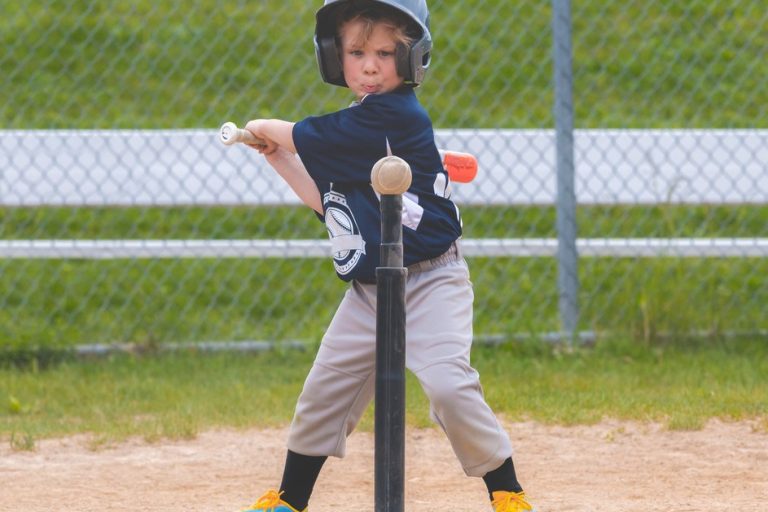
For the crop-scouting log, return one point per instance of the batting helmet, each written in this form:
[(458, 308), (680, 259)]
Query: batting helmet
[(412, 61)]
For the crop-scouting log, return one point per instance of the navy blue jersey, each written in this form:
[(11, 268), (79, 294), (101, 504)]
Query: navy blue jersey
[(339, 150)]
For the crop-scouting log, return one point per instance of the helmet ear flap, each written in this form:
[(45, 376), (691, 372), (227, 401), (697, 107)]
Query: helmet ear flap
[(403, 61), (412, 62), (420, 56), (327, 53)]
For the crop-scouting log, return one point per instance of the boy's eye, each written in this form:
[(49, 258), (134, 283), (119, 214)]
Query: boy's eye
[(386, 53)]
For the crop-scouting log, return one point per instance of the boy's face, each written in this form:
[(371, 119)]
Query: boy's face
[(369, 66)]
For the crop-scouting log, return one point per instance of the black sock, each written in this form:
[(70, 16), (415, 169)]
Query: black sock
[(299, 477), (502, 478)]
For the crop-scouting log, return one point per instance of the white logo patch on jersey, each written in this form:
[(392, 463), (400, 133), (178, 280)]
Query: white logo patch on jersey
[(346, 243)]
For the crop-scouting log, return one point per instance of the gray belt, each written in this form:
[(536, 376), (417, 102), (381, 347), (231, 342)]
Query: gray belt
[(451, 255)]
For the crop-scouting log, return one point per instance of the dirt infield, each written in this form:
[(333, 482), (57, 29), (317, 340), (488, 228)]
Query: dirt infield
[(610, 467)]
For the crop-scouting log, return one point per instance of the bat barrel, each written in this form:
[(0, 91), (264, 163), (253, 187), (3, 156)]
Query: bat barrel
[(389, 458)]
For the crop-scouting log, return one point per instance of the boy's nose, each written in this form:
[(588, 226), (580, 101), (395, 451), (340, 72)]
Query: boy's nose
[(369, 66)]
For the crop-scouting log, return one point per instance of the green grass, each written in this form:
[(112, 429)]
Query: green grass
[(62, 303), (680, 385), (297, 222), (59, 303), (154, 397), (67, 302), (177, 396), (149, 64)]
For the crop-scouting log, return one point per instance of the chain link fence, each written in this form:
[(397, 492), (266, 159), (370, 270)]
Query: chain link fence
[(122, 220)]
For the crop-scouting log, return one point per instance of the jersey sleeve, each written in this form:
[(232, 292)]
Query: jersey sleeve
[(342, 147)]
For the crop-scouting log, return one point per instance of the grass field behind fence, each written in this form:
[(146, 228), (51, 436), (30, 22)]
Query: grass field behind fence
[(146, 301), (61, 303), (149, 64), (212, 223)]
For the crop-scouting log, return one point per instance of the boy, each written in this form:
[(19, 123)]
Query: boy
[(380, 50)]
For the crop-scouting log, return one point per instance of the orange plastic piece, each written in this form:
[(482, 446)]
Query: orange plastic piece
[(461, 167)]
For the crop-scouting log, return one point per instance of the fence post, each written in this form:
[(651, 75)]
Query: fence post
[(567, 257)]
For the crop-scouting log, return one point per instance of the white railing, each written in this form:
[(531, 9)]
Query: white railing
[(190, 167)]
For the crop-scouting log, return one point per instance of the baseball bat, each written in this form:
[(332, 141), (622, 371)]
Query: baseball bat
[(230, 134)]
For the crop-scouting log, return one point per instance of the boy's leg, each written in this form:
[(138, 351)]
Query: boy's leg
[(505, 491), (336, 392), (439, 331), (439, 339), (457, 405), (299, 477), (502, 478), (341, 383)]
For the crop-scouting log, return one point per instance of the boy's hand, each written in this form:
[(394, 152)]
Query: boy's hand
[(279, 155), (230, 134), (256, 128)]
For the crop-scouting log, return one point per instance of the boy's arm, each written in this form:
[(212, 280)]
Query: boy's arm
[(276, 131), (280, 152), (296, 176)]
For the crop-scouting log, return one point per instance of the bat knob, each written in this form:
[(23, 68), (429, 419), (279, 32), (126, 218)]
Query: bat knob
[(227, 133)]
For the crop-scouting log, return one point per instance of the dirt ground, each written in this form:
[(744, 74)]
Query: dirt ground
[(610, 467)]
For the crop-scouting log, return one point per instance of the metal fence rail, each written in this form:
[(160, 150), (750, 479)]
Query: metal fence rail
[(123, 220), (483, 247)]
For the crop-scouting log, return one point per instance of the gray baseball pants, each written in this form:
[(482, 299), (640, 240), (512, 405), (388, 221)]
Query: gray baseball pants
[(341, 383)]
